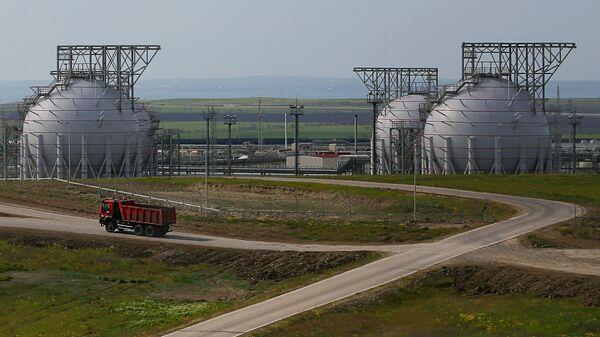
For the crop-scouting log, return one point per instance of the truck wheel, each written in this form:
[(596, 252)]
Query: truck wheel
[(150, 231), (110, 227), (138, 230)]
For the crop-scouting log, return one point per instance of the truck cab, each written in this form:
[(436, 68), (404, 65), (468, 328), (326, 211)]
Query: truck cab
[(109, 209)]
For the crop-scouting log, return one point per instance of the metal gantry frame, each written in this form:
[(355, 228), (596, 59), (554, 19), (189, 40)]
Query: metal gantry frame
[(391, 83), (385, 84), (118, 66), (529, 65)]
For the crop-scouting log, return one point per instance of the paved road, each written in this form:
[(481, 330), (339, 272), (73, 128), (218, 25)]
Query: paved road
[(406, 260), (535, 214)]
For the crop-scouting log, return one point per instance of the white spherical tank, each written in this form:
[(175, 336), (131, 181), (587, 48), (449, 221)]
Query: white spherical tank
[(81, 127), (405, 109), (489, 126)]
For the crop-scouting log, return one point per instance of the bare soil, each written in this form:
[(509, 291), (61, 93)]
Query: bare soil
[(490, 279), (253, 266), (579, 233), (500, 279), (578, 261)]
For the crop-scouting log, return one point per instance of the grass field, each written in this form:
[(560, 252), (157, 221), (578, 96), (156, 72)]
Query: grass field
[(436, 305), (282, 211), (61, 285), (197, 130), (582, 232)]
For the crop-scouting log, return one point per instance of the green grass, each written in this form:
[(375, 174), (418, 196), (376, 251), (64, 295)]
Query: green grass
[(95, 292), (197, 130), (432, 307), (57, 291)]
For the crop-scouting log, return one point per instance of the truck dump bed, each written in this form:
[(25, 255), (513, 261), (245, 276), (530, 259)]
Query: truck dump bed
[(147, 214)]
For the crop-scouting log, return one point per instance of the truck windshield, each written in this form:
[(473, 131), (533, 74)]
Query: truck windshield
[(104, 207)]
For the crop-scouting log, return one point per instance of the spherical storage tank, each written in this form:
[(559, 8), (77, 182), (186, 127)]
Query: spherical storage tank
[(81, 126), (405, 109), (488, 126)]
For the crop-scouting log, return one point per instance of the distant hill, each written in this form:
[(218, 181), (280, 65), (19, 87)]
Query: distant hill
[(272, 86)]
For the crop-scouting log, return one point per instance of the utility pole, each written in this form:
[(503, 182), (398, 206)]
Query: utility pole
[(296, 111), (285, 137), (229, 120), (375, 98), (414, 178), (4, 149), (208, 115), (170, 152), (355, 133), (574, 121), (178, 153), (260, 126), (557, 134), (69, 159)]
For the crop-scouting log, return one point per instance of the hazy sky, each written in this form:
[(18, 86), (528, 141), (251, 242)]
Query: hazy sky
[(228, 38)]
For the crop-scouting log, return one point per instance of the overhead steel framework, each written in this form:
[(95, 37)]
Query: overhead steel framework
[(393, 83), (530, 65), (118, 66)]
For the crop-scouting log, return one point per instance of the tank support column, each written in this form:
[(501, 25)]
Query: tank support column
[(40, 165), (59, 165), (126, 166), (522, 167), (471, 164), (497, 167), (26, 167), (108, 163), (448, 167), (83, 162), (139, 159), (431, 157), (541, 158)]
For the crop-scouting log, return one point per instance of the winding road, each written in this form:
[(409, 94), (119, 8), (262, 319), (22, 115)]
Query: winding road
[(403, 261)]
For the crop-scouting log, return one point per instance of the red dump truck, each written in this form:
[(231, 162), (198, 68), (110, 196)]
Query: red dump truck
[(116, 214)]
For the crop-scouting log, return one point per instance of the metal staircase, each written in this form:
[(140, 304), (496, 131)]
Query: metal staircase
[(40, 91)]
